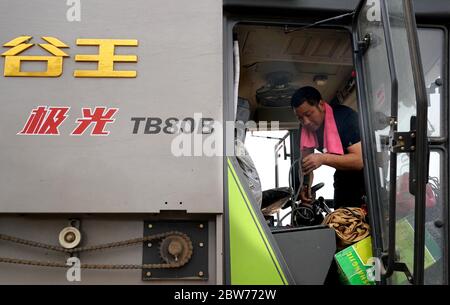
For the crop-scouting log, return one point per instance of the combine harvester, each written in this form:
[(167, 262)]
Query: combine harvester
[(118, 144)]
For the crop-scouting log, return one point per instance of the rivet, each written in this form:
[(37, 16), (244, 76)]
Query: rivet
[(150, 226), (201, 245), (201, 226), (200, 273), (148, 274), (149, 245)]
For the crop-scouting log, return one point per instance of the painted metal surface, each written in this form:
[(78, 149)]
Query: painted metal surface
[(174, 51)]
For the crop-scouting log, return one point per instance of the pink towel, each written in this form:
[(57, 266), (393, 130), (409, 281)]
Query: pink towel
[(331, 140)]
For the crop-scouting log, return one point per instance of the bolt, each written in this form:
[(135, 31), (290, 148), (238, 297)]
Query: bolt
[(413, 147), (175, 248), (439, 223), (201, 226), (200, 273), (413, 135), (150, 226), (148, 274), (402, 148), (70, 237), (400, 138), (201, 245), (149, 245)]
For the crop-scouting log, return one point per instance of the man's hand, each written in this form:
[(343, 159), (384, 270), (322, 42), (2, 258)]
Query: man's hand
[(312, 162)]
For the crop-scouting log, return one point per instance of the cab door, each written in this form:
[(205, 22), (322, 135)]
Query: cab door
[(393, 104)]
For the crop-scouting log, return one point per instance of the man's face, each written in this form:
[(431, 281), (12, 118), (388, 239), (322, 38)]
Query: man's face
[(311, 117)]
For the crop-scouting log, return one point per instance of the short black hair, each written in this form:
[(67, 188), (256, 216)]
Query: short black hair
[(306, 94)]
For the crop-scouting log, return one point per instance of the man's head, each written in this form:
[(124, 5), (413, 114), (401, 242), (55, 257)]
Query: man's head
[(308, 107)]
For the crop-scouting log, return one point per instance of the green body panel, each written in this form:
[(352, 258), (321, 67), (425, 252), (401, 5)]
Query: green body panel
[(252, 258)]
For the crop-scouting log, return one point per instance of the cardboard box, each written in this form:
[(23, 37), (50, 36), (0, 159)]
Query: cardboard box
[(352, 263)]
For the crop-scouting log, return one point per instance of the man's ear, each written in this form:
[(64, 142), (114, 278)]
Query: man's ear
[(322, 105)]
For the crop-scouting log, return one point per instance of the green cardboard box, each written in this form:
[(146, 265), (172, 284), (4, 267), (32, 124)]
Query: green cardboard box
[(353, 263)]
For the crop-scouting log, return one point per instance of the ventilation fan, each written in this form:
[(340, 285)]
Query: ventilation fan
[(277, 92)]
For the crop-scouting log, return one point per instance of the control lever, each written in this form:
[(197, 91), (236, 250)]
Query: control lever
[(323, 205), (317, 187)]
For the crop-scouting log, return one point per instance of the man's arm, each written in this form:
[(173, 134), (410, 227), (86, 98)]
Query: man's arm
[(351, 161)]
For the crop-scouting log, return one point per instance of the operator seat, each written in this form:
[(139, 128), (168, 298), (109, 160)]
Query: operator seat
[(272, 200)]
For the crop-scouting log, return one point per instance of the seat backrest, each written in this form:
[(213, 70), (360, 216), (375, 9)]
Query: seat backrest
[(242, 117), (242, 155)]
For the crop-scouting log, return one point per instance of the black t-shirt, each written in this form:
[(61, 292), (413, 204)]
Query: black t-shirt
[(348, 185)]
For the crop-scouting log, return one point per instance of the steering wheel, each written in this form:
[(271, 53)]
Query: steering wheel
[(305, 215)]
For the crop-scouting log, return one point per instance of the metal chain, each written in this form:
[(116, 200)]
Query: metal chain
[(112, 245)]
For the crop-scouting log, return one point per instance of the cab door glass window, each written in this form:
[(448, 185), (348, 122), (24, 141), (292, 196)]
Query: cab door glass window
[(431, 41)]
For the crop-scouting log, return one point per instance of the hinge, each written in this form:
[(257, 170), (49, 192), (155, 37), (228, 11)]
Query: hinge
[(364, 44), (402, 142)]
